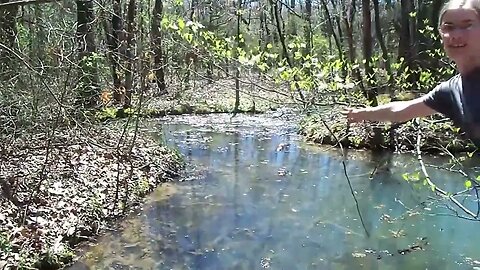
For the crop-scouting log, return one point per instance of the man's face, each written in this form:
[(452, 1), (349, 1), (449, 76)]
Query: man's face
[(460, 32)]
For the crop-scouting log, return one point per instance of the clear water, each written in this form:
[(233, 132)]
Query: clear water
[(255, 205)]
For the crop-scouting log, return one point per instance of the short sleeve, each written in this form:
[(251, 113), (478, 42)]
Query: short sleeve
[(440, 99)]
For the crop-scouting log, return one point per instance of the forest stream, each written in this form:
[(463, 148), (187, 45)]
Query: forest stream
[(255, 196)]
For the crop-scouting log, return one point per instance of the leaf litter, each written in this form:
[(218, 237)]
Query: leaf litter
[(53, 198)]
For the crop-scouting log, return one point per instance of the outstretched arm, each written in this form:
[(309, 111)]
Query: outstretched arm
[(397, 111)]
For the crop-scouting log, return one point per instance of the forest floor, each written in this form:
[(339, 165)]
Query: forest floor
[(256, 95), (66, 189)]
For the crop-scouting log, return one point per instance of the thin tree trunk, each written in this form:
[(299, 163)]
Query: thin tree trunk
[(370, 94), (292, 18), (404, 38), (308, 27), (115, 43), (381, 41), (157, 44), (111, 45), (275, 37), (193, 5), (337, 21), (130, 48), (8, 32), (284, 46), (89, 89), (237, 73), (349, 18), (332, 30)]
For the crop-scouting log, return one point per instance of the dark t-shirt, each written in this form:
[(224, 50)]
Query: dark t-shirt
[(459, 100)]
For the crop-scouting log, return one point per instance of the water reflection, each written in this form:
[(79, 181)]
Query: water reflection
[(257, 205)]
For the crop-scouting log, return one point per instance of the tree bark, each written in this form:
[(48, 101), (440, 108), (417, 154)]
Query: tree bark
[(130, 47), (237, 72), (89, 89), (370, 94), (8, 32), (157, 45), (116, 42), (193, 5), (284, 45), (291, 18), (338, 44), (308, 27), (381, 42), (349, 10)]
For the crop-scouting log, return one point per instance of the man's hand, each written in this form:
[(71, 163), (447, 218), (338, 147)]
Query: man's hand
[(353, 115)]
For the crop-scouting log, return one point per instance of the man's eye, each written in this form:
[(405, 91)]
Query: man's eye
[(447, 28)]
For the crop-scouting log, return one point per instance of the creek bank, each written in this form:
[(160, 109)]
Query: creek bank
[(69, 188), (437, 134)]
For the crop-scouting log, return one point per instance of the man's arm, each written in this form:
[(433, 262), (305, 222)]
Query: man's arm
[(397, 111)]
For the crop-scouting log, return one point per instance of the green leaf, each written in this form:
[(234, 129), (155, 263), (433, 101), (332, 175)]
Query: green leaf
[(468, 184), (181, 23)]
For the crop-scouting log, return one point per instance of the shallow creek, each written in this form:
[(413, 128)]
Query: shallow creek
[(257, 197)]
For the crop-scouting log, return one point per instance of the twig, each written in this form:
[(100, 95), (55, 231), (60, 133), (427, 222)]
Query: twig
[(346, 174), (25, 2), (435, 187), (34, 70)]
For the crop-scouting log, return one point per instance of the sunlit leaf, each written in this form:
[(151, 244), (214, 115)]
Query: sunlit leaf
[(181, 24), (468, 184)]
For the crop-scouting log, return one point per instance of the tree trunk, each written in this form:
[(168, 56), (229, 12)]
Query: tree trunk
[(8, 32), (275, 37), (193, 5), (405, 41), (108, 30), (370, 94), (291, 18), (412, 25), (332, 29), (130, 47), (115, 43), (284, 46), (267, 37), (89, 89), (157, 44), (348, 19), (337, 21), (237, 72), (308, 27), (381, 42)]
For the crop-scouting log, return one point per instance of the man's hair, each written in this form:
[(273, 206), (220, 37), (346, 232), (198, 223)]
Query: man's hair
[(451, 4)]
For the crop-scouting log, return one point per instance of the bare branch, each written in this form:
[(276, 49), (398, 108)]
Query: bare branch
[(292, 11), (25, 2), (435, 187)]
